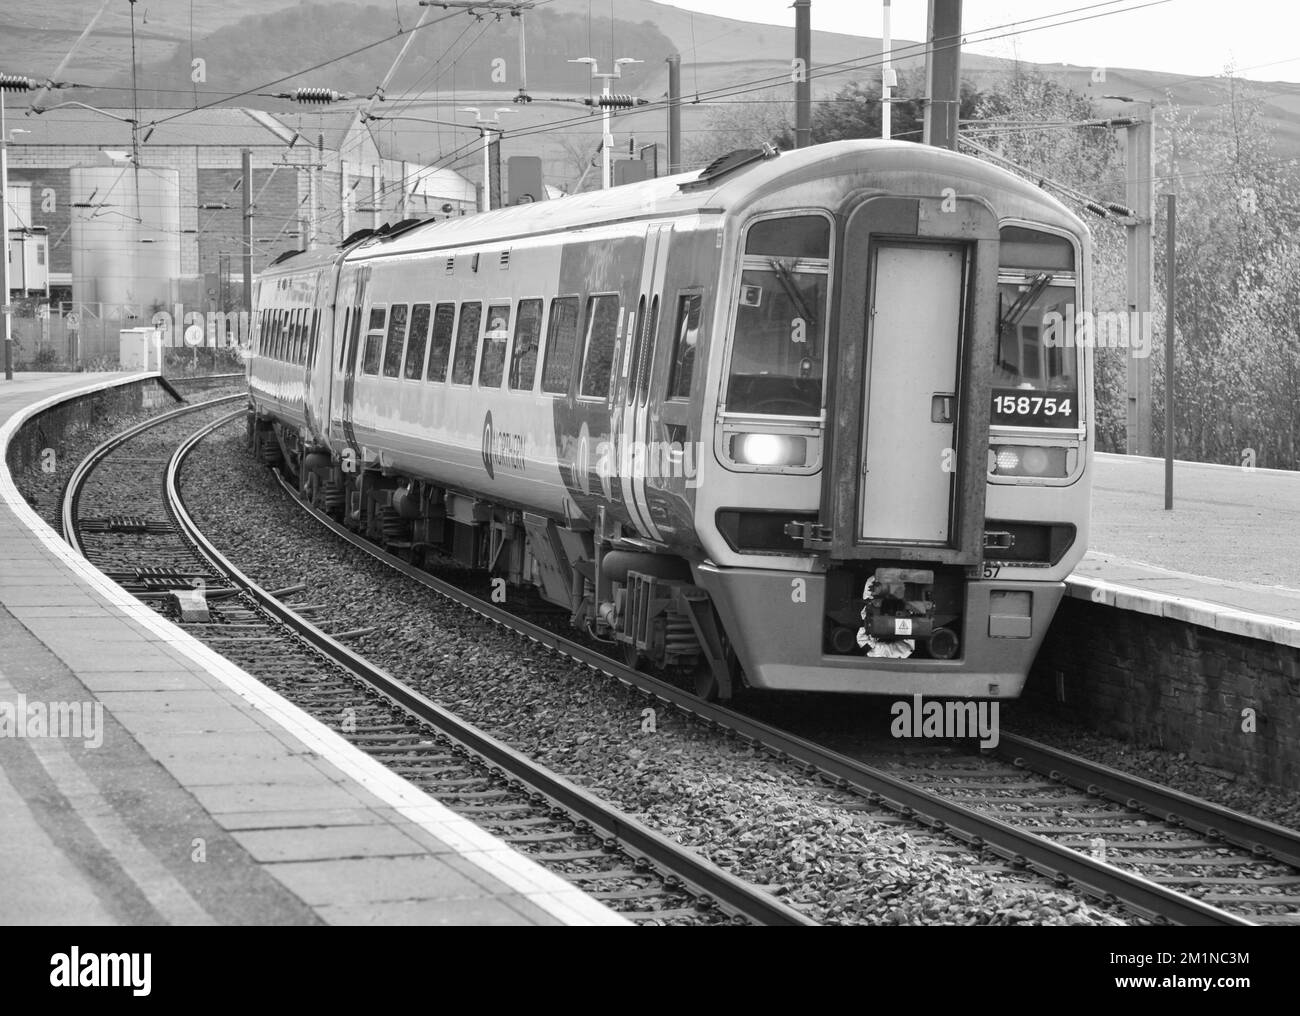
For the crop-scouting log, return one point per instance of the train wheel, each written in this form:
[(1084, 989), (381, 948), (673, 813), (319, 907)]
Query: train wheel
[(632, 656), (706, 683)]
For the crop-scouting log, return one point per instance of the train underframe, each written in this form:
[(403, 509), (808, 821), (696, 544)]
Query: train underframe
[(617, 592), (892, 628)]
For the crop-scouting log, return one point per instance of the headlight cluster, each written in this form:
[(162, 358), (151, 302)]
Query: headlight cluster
[(1027, 460), (769, 449)]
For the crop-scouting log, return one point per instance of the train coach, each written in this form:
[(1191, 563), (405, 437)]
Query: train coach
[(801, 420)]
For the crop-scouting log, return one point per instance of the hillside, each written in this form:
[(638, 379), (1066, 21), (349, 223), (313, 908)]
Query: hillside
[(249, 42)]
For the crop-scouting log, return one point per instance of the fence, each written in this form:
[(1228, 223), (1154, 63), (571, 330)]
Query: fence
[(82, 339)]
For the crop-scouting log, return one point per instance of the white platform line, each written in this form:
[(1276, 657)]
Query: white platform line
[(549, 892)]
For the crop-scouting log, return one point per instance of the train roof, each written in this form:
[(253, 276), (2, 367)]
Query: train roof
[(932, 169)]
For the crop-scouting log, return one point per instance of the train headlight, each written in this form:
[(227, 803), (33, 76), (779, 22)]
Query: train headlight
[(1027, 460), (769, 449)]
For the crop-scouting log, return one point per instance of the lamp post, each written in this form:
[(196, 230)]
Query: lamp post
[(486, 127), (607, 140)]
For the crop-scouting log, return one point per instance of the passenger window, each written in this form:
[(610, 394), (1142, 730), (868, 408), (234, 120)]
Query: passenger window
[(495, 339), (393, 348), (315, 335), (416, 342), (462, 370), (602, 337), (444, 324), (652, 330), (685, 341), (561, 340), (353, 336), (343, 346), (281, 334), (374, 340), (528, 330), (299, 335)]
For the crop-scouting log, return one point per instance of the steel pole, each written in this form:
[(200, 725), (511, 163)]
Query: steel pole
[(4, 231), (886, 124), (803, 80), (1171, 214), (246, 174), (674, 114), (1139, 195), (607, 139)]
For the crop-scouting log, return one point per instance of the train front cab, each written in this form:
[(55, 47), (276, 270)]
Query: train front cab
[(951, 501)]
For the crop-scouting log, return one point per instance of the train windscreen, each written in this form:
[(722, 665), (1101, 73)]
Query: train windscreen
[(777, 355)]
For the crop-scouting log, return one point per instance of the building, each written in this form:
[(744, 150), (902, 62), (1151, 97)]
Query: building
[(27, 249), (157, 219)]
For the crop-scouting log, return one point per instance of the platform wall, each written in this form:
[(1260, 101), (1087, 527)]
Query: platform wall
[(1173, 685)]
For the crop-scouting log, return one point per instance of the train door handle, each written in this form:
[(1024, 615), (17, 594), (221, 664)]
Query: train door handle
[(942, 407)]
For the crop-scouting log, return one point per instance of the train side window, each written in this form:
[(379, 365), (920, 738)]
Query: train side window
[(685, 341), (495, 340), (393, 348), (374, 340), (467, 339), (353, 338), (561, 341), (315, 335), (648, 355), (523, 359), (602, 337), (417, 342), (343, 346), (444, 325), (299, 334), (282, 337)]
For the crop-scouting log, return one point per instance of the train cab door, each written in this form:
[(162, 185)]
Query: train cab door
[(635, 443), (910, 395), (914, 335)]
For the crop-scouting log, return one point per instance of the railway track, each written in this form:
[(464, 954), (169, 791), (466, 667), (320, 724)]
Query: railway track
[(1164, 856), (124, 512)]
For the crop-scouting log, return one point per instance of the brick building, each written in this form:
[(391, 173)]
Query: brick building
[(315, 175)]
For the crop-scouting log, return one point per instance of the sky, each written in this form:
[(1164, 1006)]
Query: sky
[(1178, 36)]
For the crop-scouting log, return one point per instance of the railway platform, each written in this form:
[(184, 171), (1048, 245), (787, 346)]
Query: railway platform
[(1226, 557), (146, 780)]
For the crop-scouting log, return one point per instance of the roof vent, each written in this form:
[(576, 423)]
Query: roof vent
[(730, 163), (505, 260), (451, 263)]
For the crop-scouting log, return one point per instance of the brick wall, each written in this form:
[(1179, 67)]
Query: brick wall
[(1174, 685), (221, 230), (59, 217)]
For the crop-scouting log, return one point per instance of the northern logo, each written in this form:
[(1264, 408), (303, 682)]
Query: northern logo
[(487, 445)]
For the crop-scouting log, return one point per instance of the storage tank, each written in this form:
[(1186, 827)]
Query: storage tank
[(125, 237)]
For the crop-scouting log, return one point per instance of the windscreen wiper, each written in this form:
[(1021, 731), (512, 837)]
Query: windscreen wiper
[(1026, 300), (786, 278)]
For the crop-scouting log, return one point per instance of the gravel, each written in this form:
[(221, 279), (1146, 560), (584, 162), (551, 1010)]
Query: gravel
[(44, 491), (1239, 792), (818, 848)]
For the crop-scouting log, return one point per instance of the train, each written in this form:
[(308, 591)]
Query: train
[(800, 421)]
